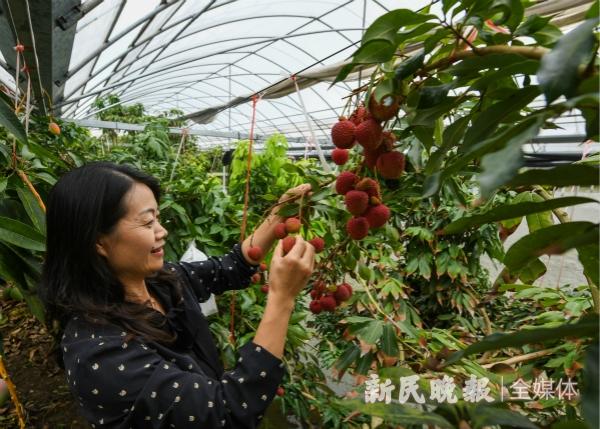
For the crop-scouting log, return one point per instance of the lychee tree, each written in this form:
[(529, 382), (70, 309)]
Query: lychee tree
[(460, 86)]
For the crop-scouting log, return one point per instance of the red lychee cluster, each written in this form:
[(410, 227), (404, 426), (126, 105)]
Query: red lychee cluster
[(291, 225), (328, 298), (363, 200), (364, 127)]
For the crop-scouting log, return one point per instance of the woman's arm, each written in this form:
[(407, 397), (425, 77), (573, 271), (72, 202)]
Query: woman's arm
[(264, 235)]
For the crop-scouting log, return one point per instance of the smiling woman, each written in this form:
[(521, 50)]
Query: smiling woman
[(135, 345)]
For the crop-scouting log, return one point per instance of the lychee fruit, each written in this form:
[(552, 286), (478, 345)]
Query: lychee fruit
[(288, 243), (343, 292), (19, 48), (292, 224), (328, 303), (390, 165), (280, 391), (318, 243), (368, 134), (385, 108), (357, 228), (315, 306), (263, 266), (280, 230), (358, 115), (370, 156), (54, 128), (345, 182), (255, 278), (370, 186), (377, 216), (255, 253), (388, 139), (264, 288), (356, 202), (342, 134), (315, 294), (319, 286), (340, 156)]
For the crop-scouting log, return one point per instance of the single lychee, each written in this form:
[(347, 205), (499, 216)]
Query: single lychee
[(315, 294), (280, 230), (356, 202), (318, 243), (54, 128), (385, 108), (255, 278), (370, 186), (390, 165), (263, 266), (288, 243), (345, 182), (255, 253), (315, 306), (319, 286), (19, 48), (328, 303), (368, 134), (377, 216), (264, 288), (342, 134), (388, 139), (357, 228), (292, 224), (340, 156), (358, 115), (343, 293), (280, 391)]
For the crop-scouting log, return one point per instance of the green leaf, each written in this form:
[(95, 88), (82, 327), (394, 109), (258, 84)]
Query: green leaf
[(387, 26), (389, 343), (501, 166), (553, 240), (485, 416), (343, 73), (348, 357), (399, 414), (9, 120), (512, 12), (427, 117), (563, 175), (589, 256), (589, 393), (409, 66), (20, 234), (510, 211), (33, 209), (541, 219), (587, 326), (532, 25), (374, 51), (486, 122), (532, 271), (593, 11), (559, 69), (452, 135), (371, 332)]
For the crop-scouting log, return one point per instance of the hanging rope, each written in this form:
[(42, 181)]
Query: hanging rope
[(255, 99), (184, 134)]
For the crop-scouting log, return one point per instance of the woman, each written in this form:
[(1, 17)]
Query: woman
[(137, 351)]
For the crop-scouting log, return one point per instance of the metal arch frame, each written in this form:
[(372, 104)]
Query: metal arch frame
[(298, 28), (268, 39)]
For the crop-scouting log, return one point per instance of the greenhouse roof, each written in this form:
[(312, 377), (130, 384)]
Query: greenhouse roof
[(205, 58)]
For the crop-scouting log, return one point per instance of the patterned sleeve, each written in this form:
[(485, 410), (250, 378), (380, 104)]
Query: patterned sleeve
[(128, 384), (217, 274)]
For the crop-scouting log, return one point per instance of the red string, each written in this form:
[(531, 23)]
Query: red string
[(245, 213)]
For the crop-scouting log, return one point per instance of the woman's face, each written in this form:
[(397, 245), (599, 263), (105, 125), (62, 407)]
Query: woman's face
[(128, 248)]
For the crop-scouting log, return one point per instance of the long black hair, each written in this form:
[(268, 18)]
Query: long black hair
[(85, 203)]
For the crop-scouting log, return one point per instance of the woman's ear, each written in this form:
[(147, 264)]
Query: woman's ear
[(101, 247)]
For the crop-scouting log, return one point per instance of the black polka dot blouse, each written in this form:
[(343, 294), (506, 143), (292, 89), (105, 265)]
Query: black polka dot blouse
[(135, 384)]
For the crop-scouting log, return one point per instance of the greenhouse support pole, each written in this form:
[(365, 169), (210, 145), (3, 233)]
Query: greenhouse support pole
[(310, 128)]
